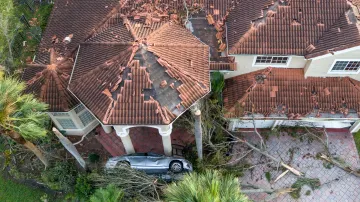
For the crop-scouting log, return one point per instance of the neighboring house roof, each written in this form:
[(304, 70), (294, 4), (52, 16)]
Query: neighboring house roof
[(223, 64), (296, 27), (285, 92), (150, 81), (49, 82)]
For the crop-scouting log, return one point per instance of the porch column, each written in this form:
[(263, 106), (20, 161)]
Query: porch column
[(277, 123), (107, 129), (125, 139), (165, 132), (355, 127)]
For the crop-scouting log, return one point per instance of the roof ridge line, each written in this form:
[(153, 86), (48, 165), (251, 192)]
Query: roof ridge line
[(101, 25), (254, 24), (157, 31), (127, 23), (107, 63), (322, 36), (109, 43), (266, 72), (357, 87), (177, 45)]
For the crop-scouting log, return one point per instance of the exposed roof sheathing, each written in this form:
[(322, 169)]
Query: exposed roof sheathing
[(296, 27), (149, 81), (277, 91)]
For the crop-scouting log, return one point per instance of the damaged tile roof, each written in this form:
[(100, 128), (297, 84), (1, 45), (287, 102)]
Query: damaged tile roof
[(150, 79), (296, 27), (49, 82), (285, 92), (223, 63), (173, 59), (76, 18)]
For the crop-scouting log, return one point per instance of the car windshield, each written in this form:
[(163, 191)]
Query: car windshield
[(154, 154)]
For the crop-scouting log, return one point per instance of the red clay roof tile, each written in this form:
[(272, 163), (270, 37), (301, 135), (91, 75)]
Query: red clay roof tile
[(286, 92), (287, 28), (49, 82)]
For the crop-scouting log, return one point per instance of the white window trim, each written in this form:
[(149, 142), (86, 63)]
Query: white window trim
[(342, 72), (271, 65)]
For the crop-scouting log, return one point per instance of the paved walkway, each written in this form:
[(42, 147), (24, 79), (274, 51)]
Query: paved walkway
[(337, 185)]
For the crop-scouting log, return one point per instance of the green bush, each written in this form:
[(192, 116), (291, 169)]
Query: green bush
[(210, 186), (83, 187), (62, 176), (110, 194), (94, 158)]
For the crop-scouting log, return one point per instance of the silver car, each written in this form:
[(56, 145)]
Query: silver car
[(151, 162)]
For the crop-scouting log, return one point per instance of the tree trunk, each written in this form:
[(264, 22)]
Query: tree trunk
[(198, 133), (70, 147), (20, 140)]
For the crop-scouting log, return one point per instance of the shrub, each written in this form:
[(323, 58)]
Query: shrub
[(110, 194), (62, 176), (209, 186), (83, 188), (94, 158)]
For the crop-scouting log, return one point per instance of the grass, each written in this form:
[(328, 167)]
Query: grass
[(11, 191), (357, 141)]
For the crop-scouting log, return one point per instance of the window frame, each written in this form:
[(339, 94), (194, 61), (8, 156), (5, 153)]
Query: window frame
[(66, 119), (271, 64), (82, 113), (343, 71)]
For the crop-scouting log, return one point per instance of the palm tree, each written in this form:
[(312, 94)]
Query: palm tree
[(22, 117), (209, 186), (110, 194)]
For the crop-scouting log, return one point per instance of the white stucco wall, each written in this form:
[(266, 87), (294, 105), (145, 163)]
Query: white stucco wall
[(269, 124), (80, 128), (245, 64), (320, 66)]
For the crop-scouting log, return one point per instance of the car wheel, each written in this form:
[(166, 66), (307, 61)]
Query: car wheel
[(176, 166), (123, 164)]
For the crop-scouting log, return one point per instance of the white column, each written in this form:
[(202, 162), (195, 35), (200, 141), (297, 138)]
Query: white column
[(165, 132), (231, 125), (107, 129), (123, 133), (277, 123), (355, 127)]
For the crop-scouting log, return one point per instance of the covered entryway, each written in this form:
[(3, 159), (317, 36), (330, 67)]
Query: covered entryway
[(143, 139)]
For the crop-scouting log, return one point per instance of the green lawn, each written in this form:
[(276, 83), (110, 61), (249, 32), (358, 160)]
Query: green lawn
[(14, 192)]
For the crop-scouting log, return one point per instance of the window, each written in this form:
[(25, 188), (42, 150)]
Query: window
[(60, 114), (346, 66), (66, 123), (86, 117), (268, 60), (79, 108)]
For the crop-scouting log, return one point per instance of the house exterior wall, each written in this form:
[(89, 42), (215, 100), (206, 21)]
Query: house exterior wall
[(241, 124), (245, 64), (76, 125), (320, 66)]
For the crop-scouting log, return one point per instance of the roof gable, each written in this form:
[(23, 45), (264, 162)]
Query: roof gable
[(282, 27)]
